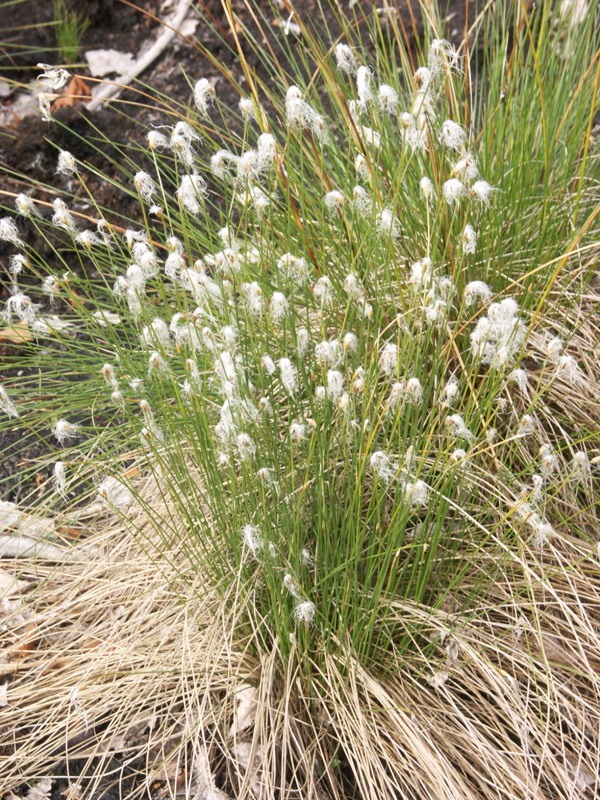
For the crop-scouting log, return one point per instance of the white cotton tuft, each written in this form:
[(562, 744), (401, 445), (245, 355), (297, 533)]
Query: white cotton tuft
[(65, 431), (66, 164), (388, 99), (388, 359), (382, 466), (453, 191), (427, 188), (6, 404), (469, 240), (204, 93), (288, 375), (144, 185), (191, 192), (345, 59), (477, 290), (453, 135), (482, 191), (278, 307)]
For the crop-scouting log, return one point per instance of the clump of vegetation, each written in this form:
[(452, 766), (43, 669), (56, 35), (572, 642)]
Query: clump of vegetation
[(69, 27), (336, 392)]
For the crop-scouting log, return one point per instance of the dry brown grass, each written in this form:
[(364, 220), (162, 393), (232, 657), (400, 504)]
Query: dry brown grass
[(132, 654)]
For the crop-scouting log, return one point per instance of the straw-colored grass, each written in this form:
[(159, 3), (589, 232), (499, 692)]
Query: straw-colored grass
[(332, 580)]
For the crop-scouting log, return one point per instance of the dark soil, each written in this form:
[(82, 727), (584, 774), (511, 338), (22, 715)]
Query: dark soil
[(30, 147)]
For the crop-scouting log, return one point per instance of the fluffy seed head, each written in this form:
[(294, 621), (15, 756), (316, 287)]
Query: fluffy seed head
[(25, 206), (246, 447), (6, 404), (388, 358), (114, 494), (268, 364), (443, 57), (9, 232), (204, 93), (449, 393), (252, 539), (388, 224), (350, 342), (458, 428), (247, 109), (388, 99), (581, 467), (345, 59), (302, 341), (65, 431), (363, 87), (327, 353), (66, 164), (144, 185), (297, 432), (335, 384), (469, 240), (454, 191), (17, 263), (21, 306), (453, 135), (191, 192), (427, 188), (414, 390), (157, 140), (305, 612), (477, 290), (548, 461), (323, 291), (381, 466), (526, 426), (334, 201), (288, 375), (60, 479), (482, 191), (416, 493), (62, 217), (110, 376), (253, 298), (278, 307)]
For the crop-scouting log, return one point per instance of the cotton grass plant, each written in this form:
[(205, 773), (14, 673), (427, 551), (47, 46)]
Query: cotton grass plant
[(326, 418)]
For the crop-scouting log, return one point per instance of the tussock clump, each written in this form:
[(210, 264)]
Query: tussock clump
[(345, 444)]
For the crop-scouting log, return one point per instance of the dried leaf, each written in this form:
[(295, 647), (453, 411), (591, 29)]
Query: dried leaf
[(438, 679), (41, 790), (214, 794), (73, 792), (69, 533), (203, 777), (243, 755), (10, 585), (76, 91), (11, 517), (27, 643), (203, 786), (246, 710), (19, 332), (12, 546), (555, 651)]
